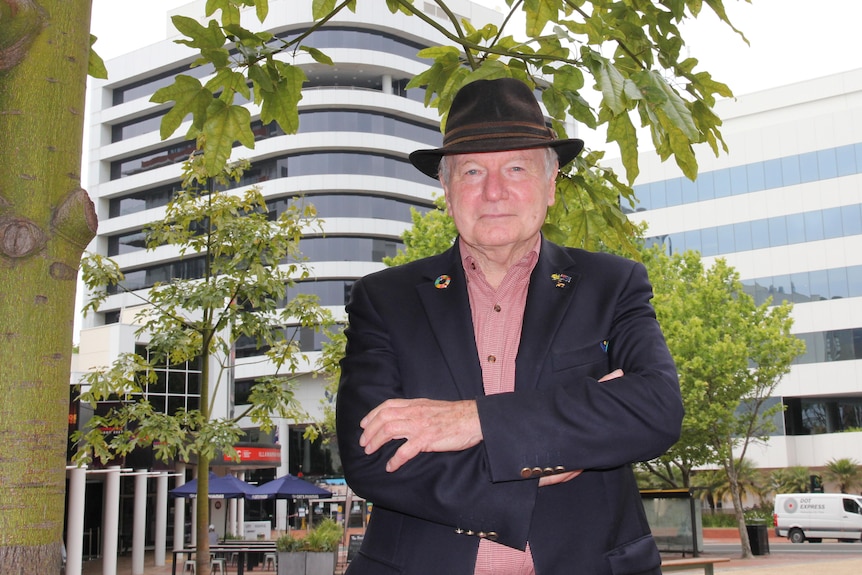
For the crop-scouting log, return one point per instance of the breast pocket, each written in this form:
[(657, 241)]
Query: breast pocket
[(591, 360)]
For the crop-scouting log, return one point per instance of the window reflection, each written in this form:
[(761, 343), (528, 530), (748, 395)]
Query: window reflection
[(334, 248), (754, 177), (771, 232)]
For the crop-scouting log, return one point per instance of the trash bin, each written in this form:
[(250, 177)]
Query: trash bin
[(758, 537)]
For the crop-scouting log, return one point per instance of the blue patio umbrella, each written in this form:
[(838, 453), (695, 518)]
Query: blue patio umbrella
[(288, 487), (220, 487)]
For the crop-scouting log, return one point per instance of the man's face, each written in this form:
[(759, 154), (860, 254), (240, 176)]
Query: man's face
[(499, 199)]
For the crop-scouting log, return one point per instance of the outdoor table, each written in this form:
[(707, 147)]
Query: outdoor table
[(249, 554)]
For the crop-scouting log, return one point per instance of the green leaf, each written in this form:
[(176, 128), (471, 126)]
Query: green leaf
[(95, 65), (622, 131), (224, 125), (317, 55), (189, 97), (280, 104), (209, 37), (321, 8), (539, 13), (228, 82)]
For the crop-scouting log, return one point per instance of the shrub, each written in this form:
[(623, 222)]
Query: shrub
[(325, 536)]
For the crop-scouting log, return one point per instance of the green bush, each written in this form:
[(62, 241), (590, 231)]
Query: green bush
[(719, 520), (324, 537), (288, 543)]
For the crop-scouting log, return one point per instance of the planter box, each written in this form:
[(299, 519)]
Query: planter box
[(320, 563), (305, 563), (291, 563)]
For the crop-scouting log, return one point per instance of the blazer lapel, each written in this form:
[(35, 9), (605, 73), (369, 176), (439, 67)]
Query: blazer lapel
[(444, 295), (552, 290)]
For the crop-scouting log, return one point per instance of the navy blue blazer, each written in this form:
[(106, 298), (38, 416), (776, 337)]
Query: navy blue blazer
[(586, 315)]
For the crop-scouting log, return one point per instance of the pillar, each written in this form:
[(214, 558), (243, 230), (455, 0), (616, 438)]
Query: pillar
[(140, 522), (161, 534), (180, 510), (75, 521), (111, 521)]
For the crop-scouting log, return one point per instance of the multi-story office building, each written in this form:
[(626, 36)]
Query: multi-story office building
[(784, 208), (358, 123)]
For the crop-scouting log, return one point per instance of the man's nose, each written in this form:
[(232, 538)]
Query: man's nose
[(494, 187)]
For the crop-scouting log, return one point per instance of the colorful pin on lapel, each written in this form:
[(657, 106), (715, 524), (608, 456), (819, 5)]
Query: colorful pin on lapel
[(604, 345), (561, 279), (442, 282)]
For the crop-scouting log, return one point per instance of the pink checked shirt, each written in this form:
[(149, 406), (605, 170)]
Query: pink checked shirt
[(497, 319)]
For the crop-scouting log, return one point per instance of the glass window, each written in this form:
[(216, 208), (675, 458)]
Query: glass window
[(854, 281), (800, 287), (689, 191), (832, 226), (777, 231), (809, 172), (755, 177), (705, 186), (845, 158), (657, 195), (692, 240), (827, 162), (772, 174), (642, 193), (673, 192), (721, 181), (819, 281), (709, 242), (795, 228), (789, 170), (813, 226), (739, 180), (726, 242), (838, 283), (742, 236), (760, 234), (781, 289), (851, 220)]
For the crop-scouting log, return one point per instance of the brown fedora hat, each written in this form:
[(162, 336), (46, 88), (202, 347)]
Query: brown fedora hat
[(494, 116)]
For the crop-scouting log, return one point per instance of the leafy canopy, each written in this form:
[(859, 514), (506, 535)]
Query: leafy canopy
[(631, 55)]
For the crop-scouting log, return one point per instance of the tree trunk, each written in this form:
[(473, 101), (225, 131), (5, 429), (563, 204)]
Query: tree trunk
[(46, 221), (738, 510)]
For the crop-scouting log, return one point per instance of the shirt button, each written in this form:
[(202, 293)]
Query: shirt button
[(492, 359), (497, 307)]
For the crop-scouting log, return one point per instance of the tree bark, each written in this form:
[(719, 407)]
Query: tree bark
[(46, 222)]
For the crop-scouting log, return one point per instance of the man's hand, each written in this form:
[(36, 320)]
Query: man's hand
[(428, 425)]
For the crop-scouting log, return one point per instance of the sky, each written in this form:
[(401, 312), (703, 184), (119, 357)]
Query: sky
[(790, 40)]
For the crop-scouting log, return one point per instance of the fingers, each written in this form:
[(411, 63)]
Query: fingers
[(559, 478), (612, 375), (426, 425)]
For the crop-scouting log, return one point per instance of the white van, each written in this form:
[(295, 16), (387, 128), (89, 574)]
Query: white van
[(815, 516)]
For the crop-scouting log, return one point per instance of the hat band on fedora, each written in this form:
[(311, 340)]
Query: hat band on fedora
[(497, 130)]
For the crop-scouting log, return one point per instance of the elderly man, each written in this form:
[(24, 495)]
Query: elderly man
[(494, 396)]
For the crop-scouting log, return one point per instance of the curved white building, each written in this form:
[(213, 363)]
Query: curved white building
[(357, 125)]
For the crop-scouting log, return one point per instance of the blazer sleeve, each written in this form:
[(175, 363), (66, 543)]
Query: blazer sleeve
[(567, 419), (453, 489)]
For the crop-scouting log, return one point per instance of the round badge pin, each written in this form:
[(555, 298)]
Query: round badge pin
[(442, 282)]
